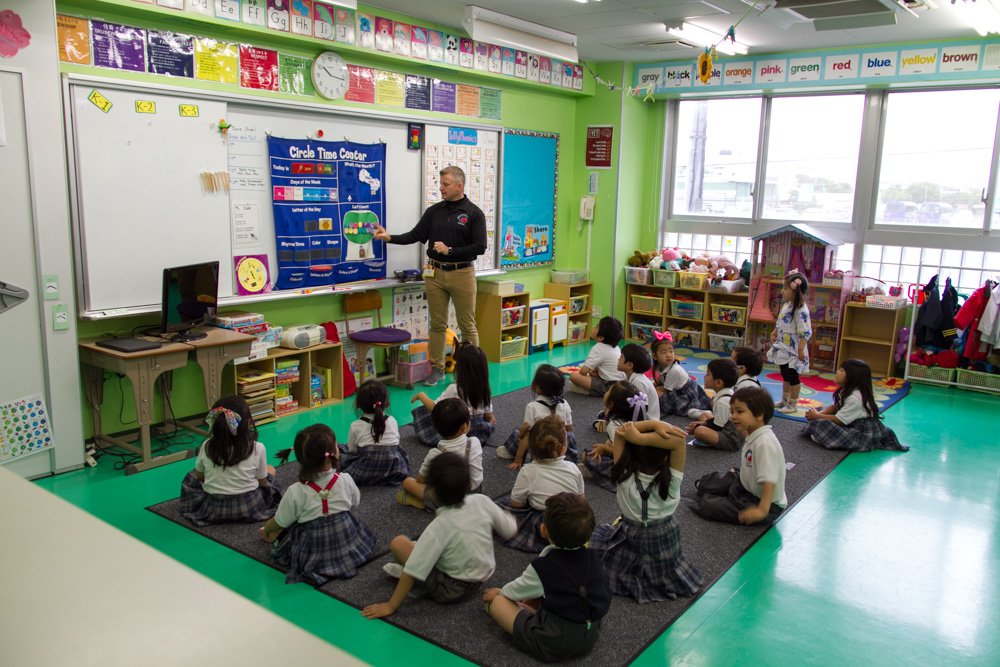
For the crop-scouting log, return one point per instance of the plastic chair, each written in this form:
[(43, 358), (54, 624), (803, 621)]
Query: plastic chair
[(384, 337)]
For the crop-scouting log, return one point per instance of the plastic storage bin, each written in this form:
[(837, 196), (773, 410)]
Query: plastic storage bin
[(576, 332), (578, 304), (728, 313), (692, 310), (647, 303), (510, 317), (664, 278), (691, 280), (685, 337), (987, 382), (720, 341), (411, 373), (643, 330), (886, 302), (569, 276), (513, 348), (923, 373), (638, 275)]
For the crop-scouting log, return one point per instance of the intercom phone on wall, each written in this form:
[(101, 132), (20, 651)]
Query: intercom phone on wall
[(587, 208)]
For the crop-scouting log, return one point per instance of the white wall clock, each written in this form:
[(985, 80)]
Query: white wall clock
[(330, 76)]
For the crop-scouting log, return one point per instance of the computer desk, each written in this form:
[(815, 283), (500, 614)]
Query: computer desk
[(211, 353)]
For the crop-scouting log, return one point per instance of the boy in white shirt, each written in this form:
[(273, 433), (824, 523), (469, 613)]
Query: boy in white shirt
[(714, 428), (454, 554), (634, 363), (600, 368), (755, 492), (451, 419)]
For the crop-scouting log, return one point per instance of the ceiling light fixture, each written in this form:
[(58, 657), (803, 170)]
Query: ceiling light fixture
[(983, 16), (698, 35), (495, 28)]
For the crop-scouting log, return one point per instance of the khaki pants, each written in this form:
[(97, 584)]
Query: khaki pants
[(460, 287)]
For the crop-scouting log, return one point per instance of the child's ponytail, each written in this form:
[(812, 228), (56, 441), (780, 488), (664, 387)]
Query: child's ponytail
[(472, 376), (373, 398), (799, 284), (313, 446)]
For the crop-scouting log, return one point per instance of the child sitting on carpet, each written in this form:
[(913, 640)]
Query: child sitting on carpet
[(714, 428), (548, 473), (373, 454), (790, 340), (472, 385), (641, 552), (314, 533), (756, 491), (573, 592), (622, 403), (634, 363), (749, 364), (548, 385), (454, 554), (852, 422), (451, 421), (600, 368), (678, 392), (231, 480)]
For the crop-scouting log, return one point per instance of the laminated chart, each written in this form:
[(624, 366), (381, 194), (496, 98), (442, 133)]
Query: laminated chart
[(328, 199), (24, 428)]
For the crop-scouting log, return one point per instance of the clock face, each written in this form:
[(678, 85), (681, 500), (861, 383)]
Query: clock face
[(330, 76), (252, 274)]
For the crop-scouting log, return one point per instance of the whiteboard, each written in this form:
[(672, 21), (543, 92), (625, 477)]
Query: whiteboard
[(141, 204)]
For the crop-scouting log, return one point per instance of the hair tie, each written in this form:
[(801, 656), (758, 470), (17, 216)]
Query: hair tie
[(378, 404), (556, 400), (663, 335), (638, 403), (232, 419)]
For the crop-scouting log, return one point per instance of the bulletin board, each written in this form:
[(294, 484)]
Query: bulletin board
[(530, 190), (140, 204)]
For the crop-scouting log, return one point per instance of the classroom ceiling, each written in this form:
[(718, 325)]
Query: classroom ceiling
[(612, 30)]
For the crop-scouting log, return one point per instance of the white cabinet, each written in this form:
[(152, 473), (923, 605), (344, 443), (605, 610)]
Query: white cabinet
[(539, 324), (549, 323)]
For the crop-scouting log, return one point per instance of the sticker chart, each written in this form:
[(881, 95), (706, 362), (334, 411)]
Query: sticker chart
[(24, 428), (329, 198)]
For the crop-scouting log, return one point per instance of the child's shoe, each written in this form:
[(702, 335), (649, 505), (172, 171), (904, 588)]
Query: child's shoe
[(577, 389), (504, 453), (789, 408), (394, 570), (780, 404), (406, 499), (584, 470)]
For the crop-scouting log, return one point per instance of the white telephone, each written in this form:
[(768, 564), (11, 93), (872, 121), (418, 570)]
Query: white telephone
[(587, 208)]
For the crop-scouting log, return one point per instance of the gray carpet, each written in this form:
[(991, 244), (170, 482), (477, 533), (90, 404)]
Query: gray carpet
[(465, 629)]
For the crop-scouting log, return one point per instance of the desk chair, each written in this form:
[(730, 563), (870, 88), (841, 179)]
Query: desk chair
[(384, 337)]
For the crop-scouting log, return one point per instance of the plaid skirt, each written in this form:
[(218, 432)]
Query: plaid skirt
[(204, 509), (429, 436), (862, 435), (679, 401), (600, 470), (330, 547), (646, 563), (376, 465), (512, 442), (529, 520)]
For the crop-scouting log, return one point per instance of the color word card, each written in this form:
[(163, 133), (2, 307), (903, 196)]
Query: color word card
[(24, 428)]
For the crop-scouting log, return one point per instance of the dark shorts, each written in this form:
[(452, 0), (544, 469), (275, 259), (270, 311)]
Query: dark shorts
[(550, 638), (789, 374), (445, 588), (599, 386)]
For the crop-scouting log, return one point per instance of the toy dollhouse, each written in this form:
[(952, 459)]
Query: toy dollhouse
[(809, 251)]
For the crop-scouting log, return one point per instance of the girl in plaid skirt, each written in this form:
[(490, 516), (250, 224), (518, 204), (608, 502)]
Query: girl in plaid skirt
[(548, 386), (373, 454), (548, 473), (852, 422), (641, 552), (231, 481), (677, 391), (314, 533), (618, 409), (472, 385)]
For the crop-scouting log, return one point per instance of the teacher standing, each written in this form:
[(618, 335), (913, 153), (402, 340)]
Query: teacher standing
[(454, 230)]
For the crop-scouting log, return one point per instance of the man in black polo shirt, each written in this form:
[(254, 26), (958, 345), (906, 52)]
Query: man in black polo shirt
[(454, 230)]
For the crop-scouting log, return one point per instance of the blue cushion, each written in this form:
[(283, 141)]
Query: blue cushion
[(383, 336)]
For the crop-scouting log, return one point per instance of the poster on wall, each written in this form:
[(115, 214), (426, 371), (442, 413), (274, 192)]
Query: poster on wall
[(24, 428), (328, 198), (530, 188)]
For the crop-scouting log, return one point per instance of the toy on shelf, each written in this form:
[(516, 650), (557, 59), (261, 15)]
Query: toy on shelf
[(671, 259), (639, 258)]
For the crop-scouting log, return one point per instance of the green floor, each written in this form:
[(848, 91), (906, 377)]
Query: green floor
[(892, 559)]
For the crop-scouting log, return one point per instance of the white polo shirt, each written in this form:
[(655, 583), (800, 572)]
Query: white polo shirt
[(457, 446), (451, 391), (630, 502), (360, 434), (674, 377), (645, 385), (535, 411), (763, 461), (853, 409), (543, 478), (302, 503), (603, 360), (232, 480)]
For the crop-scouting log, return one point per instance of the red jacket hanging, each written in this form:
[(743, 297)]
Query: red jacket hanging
[(968, 319)]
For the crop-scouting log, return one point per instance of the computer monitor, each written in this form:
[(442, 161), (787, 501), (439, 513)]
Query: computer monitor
[(190, 293)]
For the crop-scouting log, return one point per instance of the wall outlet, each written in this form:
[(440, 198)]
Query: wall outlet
[(596, 312)]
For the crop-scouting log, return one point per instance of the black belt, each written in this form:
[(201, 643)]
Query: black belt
[(450, 266)]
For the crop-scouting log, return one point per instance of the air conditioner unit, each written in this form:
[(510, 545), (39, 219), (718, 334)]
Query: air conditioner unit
[(668, 45), (844, 14)]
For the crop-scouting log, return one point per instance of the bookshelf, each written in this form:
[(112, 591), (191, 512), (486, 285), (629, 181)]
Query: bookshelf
[(871, 334), (674, 313), (489, 322)]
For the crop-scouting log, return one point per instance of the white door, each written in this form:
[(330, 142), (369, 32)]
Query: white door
[(540, 326), (21, 358)]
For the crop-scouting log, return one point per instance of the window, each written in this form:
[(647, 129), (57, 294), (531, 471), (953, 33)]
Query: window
[(812, 157), (936, 157), (968, 269), (737, 248), (716, 158)]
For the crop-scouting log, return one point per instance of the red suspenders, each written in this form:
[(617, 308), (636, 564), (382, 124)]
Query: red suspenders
[(324, 493)]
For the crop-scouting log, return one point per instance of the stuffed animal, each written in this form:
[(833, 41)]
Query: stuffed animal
[(450, 345), (701, 264), (656, 262), (671, 259), (904, 337), (640, 258), (716, 262)]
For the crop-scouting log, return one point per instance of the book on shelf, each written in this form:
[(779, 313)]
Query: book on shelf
[(252, 375), (325, 376), (231, 319), (267, 392), (256, 327)]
